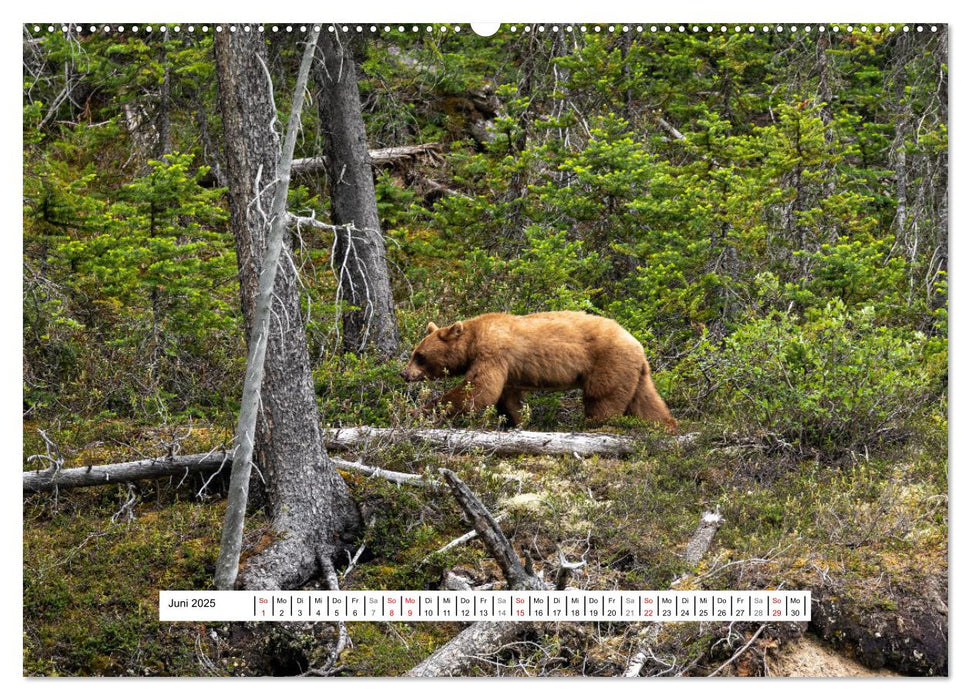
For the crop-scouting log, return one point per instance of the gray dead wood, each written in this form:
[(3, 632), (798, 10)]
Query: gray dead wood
[(160, 467), (482, 638), (181, 466), (461, 539), (399, 478), (493, 538), (701, 540), (499, 443), (360, 439), (697, 547), (380, 157), (474, 641)]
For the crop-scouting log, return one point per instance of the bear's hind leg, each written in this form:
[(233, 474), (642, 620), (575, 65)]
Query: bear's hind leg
[(509, 406), (608, 392), (599, 410)]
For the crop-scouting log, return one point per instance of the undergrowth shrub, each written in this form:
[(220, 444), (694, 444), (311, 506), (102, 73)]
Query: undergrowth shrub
[(830, 384)]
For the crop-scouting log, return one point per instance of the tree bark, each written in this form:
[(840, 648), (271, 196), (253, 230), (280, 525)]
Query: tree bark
[(309, 503), (359, 251)]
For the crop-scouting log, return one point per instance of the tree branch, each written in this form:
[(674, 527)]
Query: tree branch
[(481, 638)]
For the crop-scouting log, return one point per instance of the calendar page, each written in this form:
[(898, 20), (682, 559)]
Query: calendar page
[(539, 349)]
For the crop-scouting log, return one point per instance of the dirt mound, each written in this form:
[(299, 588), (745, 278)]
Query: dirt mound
[(808, 657)]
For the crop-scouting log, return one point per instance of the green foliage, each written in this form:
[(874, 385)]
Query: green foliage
[(857, 273), (162, 251), (152, 272), (837, 382), (358, 390)]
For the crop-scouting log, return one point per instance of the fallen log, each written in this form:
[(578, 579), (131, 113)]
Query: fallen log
[(701, 540), (696, 549), (49, 479), (75, 477), (457, 655), (360, 438), (380, 157), (499, 443)]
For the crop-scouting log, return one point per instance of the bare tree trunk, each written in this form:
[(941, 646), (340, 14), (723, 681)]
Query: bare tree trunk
[(163, 121), (309, 502), (902, 125), (359, 252)]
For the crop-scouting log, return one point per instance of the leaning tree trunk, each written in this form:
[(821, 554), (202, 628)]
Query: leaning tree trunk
[(359, 252), (309, 503)]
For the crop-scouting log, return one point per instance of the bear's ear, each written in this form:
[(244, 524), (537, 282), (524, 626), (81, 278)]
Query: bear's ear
[(453, 331), (432, 327)]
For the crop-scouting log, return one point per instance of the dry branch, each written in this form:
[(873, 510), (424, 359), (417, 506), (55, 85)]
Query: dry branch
[(160, 467), (491, 534), (482, 638), (461, 539), (396, 477)]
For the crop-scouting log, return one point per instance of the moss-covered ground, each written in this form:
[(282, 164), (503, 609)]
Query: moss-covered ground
[(867, 535)]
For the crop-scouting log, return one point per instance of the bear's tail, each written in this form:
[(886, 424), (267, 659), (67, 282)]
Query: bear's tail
[(648, 405)]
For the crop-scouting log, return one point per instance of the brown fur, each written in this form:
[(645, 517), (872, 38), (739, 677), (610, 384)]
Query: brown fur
[(503, 356)]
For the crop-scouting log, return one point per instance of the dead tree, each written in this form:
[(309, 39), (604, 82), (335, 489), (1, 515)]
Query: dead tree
[(696, 548), (309, 503), (359, 253)]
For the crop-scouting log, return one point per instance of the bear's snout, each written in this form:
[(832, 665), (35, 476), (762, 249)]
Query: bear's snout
[(410, 374)]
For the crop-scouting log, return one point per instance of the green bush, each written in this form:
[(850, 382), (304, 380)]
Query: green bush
[(835, 383)]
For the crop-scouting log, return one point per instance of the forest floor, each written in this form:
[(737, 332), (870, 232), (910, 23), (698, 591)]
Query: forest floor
[(808, 657), (868, 537)]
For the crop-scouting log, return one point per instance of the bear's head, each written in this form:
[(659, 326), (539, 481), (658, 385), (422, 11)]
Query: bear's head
[(444, 351)]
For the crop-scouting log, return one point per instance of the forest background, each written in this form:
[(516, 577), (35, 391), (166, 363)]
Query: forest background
[(765, 211)]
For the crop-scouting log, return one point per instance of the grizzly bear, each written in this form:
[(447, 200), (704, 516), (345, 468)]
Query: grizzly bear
[(502, 356)]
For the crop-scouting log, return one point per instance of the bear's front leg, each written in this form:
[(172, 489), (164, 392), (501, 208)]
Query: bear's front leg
[(509, 406), (482, 388)]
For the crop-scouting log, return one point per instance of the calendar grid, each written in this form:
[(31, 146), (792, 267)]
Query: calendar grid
[(469, 606)]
